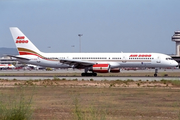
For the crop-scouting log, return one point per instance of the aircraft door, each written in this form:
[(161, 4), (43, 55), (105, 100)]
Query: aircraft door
[(158, 60), (124, 59), (38, 60)]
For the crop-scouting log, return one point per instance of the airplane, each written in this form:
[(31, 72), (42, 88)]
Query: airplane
[(35, 67), (92, 63), (6, 66)]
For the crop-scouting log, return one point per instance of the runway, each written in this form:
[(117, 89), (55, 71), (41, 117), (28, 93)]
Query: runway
[(99, 78), (69, 70), (91, 78)]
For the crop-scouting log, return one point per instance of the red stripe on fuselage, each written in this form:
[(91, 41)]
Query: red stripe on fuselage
[(28, 53)]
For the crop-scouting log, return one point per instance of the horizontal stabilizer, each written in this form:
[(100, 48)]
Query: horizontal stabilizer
[(18, 57)]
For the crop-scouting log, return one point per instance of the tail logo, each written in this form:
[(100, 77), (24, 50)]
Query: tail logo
[(19, 39)]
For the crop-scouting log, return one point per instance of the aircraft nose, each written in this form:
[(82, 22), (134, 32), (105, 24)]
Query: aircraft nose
[(175, 63)]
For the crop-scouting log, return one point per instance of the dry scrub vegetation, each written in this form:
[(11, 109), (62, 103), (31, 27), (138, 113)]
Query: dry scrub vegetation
[(61, 99)]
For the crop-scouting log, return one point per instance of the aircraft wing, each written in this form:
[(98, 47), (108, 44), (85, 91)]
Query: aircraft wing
[(77, 63), (18, 57)]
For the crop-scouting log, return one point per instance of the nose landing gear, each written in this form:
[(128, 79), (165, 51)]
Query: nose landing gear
[(156, 71)]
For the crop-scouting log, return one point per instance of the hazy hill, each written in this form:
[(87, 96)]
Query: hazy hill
[(9, 51)]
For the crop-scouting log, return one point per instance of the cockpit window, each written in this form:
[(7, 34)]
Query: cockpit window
[(169, 59)]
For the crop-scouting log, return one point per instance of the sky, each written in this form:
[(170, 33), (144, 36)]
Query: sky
[(106, 25)]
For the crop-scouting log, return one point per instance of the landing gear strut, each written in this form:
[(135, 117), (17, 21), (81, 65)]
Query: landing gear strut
[(88, 74), (156, 71)]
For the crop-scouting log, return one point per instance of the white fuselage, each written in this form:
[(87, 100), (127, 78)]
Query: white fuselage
[(115, 60)]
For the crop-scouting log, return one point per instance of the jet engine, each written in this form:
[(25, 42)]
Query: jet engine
[(104, 68), (101, 68)]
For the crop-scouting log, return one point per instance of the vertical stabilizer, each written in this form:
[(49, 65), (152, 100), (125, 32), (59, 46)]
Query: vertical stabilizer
[(23, 44)]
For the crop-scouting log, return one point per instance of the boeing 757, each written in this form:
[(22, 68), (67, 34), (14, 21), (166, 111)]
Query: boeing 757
[(92, 63)]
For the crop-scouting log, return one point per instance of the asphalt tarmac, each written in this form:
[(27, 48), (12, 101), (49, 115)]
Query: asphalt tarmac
[(85, 78), (92, 78), (82, 70)]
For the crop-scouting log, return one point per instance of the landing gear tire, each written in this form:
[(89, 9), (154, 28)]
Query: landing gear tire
[(88, 74), (94, 74), (155, 75)]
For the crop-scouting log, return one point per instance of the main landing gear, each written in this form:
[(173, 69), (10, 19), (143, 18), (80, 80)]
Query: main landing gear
[(156, 71), (88, 74)]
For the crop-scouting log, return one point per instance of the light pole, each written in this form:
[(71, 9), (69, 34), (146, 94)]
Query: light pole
[(80, 41)]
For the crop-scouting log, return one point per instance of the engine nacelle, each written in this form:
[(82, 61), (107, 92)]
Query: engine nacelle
[(115, 70), (101, 68)]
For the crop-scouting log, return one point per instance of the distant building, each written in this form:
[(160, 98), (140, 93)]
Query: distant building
[(9, 60), (176, 38)]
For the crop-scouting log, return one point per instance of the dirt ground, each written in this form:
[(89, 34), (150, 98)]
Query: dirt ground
[(101, 100)]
